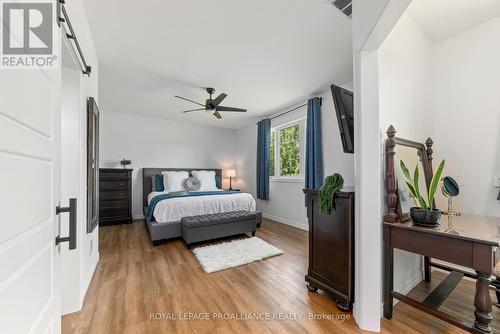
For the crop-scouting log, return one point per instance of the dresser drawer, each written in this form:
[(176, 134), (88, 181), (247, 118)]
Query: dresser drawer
[(113, 204), (118, 175), (113, 195), (113, 185), (113, 212)]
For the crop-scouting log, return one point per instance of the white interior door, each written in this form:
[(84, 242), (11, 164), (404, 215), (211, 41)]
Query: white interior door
[(29, 193)]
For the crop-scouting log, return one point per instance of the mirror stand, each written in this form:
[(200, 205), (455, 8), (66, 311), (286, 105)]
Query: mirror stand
[(450, 189), (450, 211)]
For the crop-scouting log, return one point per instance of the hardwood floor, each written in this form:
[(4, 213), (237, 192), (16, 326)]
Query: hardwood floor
[(135, 281)]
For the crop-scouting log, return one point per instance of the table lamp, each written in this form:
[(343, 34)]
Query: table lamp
[(230, 173)]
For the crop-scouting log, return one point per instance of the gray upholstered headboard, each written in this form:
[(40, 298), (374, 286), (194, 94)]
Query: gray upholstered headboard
[(148, 172)]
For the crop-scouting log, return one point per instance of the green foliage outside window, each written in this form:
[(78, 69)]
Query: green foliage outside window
[(290, 151), (272, 152)]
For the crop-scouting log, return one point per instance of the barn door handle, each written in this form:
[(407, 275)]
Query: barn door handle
[(72, 223)]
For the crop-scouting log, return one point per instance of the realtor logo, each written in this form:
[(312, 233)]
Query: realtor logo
[(27, 34)]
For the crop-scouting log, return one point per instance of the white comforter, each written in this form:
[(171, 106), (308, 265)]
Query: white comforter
[(173, 209)]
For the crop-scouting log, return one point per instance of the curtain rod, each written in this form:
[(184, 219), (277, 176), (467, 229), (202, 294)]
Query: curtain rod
[(289, 111)]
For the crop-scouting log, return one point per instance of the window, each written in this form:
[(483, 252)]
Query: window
[(272, 152), (287, 151)]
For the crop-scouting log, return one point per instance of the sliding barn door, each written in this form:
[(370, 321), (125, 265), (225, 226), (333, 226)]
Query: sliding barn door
[(29, 193)]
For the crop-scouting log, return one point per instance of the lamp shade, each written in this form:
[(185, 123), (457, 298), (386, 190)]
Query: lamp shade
[(230, 173)]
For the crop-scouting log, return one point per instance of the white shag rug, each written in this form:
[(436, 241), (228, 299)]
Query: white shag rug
[(234, 253)]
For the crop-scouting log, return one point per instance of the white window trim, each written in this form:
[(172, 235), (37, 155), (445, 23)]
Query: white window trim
[(290, 179)]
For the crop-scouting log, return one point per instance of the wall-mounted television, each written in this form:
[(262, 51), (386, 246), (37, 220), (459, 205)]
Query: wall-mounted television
[(344, 108)]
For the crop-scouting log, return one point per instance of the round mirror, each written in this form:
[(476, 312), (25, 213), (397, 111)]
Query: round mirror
[(449, 187)]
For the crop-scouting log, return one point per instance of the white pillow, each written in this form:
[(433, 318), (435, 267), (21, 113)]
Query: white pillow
[(174, 181), (207, 179)]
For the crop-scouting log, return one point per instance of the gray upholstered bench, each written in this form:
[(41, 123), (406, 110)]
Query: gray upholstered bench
[(218, 225)]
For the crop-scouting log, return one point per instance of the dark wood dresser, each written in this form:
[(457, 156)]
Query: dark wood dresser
[(331, 247), (115, 196)]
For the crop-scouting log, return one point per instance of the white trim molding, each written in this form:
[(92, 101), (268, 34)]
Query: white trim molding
[(286, 221), (290, 179), (372, 22)]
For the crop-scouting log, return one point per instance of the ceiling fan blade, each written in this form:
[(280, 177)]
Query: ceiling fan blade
[(219, 99), (222, 108), (183, 98), (185, 111), (216, 114)]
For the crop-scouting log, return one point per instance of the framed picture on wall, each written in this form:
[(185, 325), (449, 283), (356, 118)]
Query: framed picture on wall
[(92, 164)]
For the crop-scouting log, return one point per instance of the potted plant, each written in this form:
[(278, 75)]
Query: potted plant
[(425, 214)]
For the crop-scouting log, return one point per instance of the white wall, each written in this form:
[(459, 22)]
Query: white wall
[(79, 264), (372, 22), (405, 97), (155, 142), (286, 199), (466, 115), (449, 92)]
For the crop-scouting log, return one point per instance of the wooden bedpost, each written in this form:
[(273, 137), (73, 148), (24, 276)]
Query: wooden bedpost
[(390, 177), (428, 144), (429, 151)]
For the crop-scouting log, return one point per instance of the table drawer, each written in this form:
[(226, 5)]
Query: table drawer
[(113, 195), (114, 185), (113, 212)]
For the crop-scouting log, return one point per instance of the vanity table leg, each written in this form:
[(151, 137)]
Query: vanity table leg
[(388, 273), (496, 284), (427, 269), (482, 302)]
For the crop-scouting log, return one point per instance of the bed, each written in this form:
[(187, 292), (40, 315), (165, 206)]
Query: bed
[(163, 219)]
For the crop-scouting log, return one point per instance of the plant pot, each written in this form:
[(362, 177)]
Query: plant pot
[(428, 218)]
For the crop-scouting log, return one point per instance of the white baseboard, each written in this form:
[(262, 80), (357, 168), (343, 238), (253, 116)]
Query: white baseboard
[(413, 283), (286, 221), (88, 279), (408, 287), (374, 328), (355, 313), (282, 220)]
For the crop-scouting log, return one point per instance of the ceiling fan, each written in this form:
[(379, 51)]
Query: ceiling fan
[(212, 104)]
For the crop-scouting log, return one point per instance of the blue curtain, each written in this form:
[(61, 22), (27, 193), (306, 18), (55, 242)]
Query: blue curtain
[(314, 149), (263, 142)]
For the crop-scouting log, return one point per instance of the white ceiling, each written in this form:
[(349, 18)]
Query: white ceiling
[(442, 19), (264, 54)]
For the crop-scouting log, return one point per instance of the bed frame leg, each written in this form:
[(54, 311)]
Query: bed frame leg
[(253, 233), (157, 242)]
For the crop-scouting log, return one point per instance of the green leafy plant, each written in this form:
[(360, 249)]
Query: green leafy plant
[(333, 183), (413, 187), (290, 151)]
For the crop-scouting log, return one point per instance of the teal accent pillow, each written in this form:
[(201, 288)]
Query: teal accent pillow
[(159, 186)]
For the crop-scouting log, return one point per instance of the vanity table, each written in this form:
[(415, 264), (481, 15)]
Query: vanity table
[(469, 241)]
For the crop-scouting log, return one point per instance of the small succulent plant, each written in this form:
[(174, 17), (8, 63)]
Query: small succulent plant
[(413, 185)]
